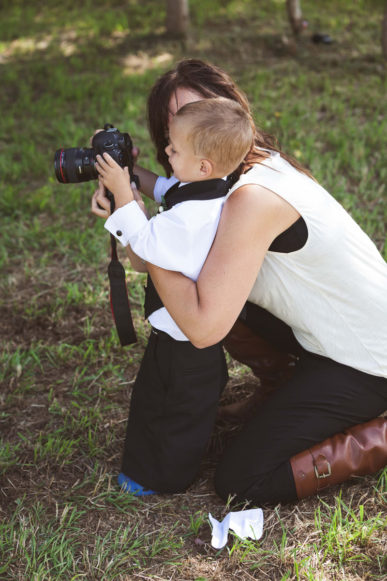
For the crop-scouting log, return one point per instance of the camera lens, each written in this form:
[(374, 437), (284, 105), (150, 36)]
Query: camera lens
[(75, 165)]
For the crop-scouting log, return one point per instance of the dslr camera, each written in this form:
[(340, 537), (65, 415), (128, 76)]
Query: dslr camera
[(77, 164)]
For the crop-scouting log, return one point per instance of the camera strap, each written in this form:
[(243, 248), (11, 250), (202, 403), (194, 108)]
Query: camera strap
[(119, 299)]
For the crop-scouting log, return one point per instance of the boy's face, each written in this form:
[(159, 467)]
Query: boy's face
[(187, 167)]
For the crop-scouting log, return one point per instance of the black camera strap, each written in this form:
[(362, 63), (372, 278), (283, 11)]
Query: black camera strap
[(119, 300)]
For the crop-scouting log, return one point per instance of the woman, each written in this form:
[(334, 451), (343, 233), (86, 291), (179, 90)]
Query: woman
[(308, 286)]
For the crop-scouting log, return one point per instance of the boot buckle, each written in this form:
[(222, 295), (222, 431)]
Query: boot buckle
[(325, 472)]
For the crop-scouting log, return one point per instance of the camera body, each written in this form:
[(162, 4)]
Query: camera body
[(77, 164)]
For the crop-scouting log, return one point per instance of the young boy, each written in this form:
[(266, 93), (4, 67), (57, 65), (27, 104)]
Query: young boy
[(177, 389)]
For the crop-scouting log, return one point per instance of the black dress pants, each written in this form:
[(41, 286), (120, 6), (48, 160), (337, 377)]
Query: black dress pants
[(322, 398), (172, 412)]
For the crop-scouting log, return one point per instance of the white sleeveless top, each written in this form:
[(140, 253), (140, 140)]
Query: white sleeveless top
[(333, 291)]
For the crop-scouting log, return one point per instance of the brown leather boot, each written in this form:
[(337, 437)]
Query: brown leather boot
[(271, 366), (358, 451)]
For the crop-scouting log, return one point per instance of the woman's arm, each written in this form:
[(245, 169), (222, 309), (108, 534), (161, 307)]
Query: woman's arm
[(206, 310), (137, 263), (147, 180)]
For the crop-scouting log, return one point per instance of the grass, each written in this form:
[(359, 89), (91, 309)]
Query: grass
[(67, 68)]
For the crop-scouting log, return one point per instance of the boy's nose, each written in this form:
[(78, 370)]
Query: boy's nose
[(167, 149)]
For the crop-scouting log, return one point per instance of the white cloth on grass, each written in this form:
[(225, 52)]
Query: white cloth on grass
[(244, 523)]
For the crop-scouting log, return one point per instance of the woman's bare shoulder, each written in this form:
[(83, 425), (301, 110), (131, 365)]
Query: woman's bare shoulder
[(261, 207)]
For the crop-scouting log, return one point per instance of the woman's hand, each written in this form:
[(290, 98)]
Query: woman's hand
[(101, 206), (94, 134), (115, 179), (100, 203)]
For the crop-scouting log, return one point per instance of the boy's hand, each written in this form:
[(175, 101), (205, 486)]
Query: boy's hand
[(115, 179)]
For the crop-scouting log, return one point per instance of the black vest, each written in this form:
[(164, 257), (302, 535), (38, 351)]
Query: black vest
[(205, 190)]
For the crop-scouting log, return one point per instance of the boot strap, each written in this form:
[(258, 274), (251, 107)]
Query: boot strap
[(322, 470)]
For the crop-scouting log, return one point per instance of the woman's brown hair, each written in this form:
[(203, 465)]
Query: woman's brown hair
[(209, 81)]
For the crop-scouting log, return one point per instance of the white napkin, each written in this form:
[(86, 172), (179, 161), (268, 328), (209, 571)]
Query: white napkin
[(245, 523)]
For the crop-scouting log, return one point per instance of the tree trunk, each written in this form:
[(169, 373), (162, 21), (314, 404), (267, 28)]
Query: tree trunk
[(384, 33), (177, 17), (295, 16)]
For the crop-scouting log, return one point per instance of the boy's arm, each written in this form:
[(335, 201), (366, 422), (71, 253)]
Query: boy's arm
[(116, 179), (167, 239)]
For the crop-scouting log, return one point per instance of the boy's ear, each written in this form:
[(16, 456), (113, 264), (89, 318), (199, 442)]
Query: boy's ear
[(206, 168)]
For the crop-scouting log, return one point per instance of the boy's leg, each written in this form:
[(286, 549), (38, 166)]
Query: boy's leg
[(320, 400), (172, 412)]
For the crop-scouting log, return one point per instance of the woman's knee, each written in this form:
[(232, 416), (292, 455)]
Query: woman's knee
[(232, 481), (226, 485), (268, 486)]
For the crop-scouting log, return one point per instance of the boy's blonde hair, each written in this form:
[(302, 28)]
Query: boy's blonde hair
[(220, 130)]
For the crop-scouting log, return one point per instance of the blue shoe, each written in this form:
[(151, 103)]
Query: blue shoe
[(129, 485)]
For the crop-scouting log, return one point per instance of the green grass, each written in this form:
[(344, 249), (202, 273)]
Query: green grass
[(66, 68), (55, 546)]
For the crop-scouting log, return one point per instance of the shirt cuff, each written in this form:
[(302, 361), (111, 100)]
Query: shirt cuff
[(126, 221), (162, 185)]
